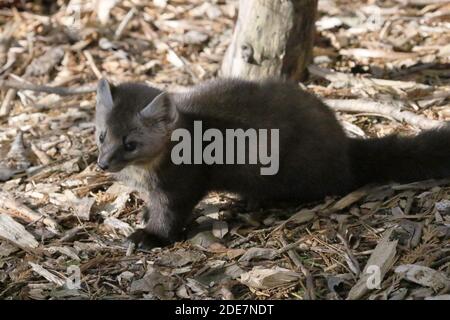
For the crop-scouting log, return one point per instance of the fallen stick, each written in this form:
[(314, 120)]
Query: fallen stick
[(124, 23), (379, 263), (396, 112), (6, 106), (311, 293), (334, 76), (69, 235), (15, 233), (15, 208), (40, 270), (62, 91), (373, 53), (422, 2), (92, 65)]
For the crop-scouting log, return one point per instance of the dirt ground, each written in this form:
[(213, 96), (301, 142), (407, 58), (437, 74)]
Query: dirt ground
[(63, 223)]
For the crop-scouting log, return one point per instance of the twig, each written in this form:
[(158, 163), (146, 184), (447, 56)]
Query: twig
[(334, 76), (373, 53), (370, 106), (381, 260), (62, 91), (16, 233), (124, 23), (290, 246), (5, 108), (422, 2), (311, 295), (18, 209), (352, 262), (91, 63), (42, 156), (412, 69), (69, 235)]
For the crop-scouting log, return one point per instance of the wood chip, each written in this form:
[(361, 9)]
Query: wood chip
[(350, 199), (262, 278), (220, 229), (378, 264), (118, 225), (18, 209), (424, 276), (16, 233), (47, 274)]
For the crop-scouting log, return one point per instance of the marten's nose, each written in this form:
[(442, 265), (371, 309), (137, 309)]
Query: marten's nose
[(102, 165)]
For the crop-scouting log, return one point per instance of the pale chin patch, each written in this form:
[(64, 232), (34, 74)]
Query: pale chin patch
[(134, 167), (149, 165)]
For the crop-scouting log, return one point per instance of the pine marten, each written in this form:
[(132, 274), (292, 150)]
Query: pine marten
[(135, 125)]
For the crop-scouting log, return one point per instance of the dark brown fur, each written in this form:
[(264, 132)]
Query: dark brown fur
[(316, 157)]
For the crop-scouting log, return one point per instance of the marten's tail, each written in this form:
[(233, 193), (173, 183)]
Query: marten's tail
[(401, 159)]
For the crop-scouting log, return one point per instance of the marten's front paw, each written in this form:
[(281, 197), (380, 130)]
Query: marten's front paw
[(145, 240)]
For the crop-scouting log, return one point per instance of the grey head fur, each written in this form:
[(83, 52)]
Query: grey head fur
[(133, 124)]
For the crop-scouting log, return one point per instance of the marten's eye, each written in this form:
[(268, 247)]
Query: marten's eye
[(129, 146), (101, 137)]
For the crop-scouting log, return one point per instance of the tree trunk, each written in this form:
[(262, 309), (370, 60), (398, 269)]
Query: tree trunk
[(272, 38)]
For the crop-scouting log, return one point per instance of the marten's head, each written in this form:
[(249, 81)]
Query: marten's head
[(133, 124)]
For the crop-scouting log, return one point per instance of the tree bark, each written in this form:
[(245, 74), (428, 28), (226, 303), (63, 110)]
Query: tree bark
[(272, 38)]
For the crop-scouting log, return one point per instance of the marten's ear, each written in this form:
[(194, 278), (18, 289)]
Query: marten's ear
[(160, 109), (104, 96)]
